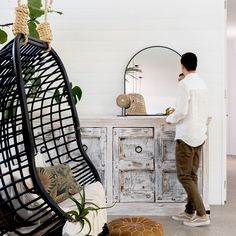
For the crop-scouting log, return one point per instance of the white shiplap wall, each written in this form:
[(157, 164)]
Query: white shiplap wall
[(96, 38)]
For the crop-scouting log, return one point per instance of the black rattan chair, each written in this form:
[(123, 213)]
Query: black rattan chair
[(37, 114)]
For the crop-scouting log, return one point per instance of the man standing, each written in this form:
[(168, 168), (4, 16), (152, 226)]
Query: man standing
[(190, 116)]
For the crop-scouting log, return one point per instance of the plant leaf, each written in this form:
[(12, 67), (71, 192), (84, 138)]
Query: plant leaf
[(32, 29), (93, 204), (56, 96), (88, 224), (98, 207), (6, 115), (35, 3), (28, 73), (84, 212), (73, 215), (3, 36), (35, 8), (82, 225), (77, 93), (83, 197), (78, 204), (36, 86), (92, 209)]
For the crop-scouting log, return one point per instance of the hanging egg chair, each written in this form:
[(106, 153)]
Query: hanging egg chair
[(39, 129)]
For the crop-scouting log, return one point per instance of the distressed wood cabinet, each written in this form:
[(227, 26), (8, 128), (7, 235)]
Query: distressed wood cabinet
[(94, 143), (135, 157)]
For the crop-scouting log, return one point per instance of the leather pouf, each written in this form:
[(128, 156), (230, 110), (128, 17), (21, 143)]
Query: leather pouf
[(135, 226)]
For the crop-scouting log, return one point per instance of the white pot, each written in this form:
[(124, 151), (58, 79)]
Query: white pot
[(74, 229)]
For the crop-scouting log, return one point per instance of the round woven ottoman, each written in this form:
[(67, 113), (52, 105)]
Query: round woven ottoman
[(135, 226)]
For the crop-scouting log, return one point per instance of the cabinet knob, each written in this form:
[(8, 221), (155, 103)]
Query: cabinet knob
[(138, 149)]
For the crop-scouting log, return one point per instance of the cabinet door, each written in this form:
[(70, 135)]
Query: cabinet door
[(94, 143), (133, 165), (169, 188)]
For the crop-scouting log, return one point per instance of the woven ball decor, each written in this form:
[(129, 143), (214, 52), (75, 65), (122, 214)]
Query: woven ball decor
[(135, 226), (123, 101)]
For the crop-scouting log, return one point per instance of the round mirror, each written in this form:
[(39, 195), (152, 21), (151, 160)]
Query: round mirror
[(153, 72)]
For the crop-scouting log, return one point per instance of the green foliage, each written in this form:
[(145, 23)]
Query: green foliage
[(32, 29), (3, 36), (33, 80), (76, 92), (57, 96), (10, 111), (83, 210), (35, 9)]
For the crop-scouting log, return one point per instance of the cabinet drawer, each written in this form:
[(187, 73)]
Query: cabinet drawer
[(134, 143)]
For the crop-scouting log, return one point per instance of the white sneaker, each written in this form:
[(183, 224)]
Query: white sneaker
[(183, 216), (198, 221)]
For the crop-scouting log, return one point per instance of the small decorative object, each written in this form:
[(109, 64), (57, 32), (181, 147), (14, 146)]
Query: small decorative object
[(123, 101), (137, 104), (133, 103)]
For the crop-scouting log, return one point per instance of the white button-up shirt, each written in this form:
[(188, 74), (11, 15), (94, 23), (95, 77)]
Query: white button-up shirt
[(191, 111)]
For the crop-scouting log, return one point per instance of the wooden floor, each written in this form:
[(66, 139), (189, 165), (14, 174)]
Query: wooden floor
[(223, 218)]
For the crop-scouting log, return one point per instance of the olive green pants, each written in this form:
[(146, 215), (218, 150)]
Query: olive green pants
[(187, 164)]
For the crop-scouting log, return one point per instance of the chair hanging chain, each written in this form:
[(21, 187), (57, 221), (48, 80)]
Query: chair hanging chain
[(44, 30), (20, 25)]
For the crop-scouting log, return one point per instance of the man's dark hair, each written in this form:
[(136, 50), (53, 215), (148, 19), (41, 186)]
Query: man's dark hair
[(189, 61)]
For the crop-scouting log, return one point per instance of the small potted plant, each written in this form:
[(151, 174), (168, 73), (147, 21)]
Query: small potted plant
[(78, 224)]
